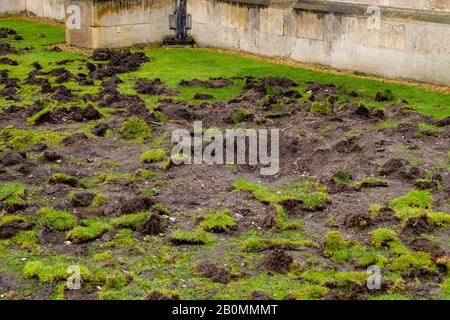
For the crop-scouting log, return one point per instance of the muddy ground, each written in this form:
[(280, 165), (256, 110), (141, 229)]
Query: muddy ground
[(354, 159)]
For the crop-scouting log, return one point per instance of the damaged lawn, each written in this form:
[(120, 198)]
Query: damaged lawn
[(86, 178)]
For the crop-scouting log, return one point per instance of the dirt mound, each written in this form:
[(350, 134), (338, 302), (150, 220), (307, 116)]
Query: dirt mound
[(417, 226), (48, 235), (260, 295), (158, 295), (119, 61), (136, 204), (292, 206), (6, 32), (52, 156), (9, 62), (100, 129), (154, 226), (64, 94), (321, 92), (82, 199), (203, 96), (357, 220), (6, 48), (215, 83), (423, 244), (278, 261), (63, 75), (12, 158), (9, 229), (213, 271), (73, 113), (75, 138), (154, 88)]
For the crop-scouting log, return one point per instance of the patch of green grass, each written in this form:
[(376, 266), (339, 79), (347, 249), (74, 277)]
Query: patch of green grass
[(340, 251), (428, 128), (356, 132), (132, 221), (155, 155), (382, 236), (315, 201), (334, 278), (59, 220), (322, 107), (406, 260), (391, 296), (199, 236), (62, 178), (412, 204), (375, 210), (415, 160), (370, 182), (19, 139), (439, 219), (51, 271), (163, 210), (217, 221), (312, 196), (387, 124), (135, 129), (90, 229), (341, 177), (148, 192), (99, 201), (12, 194), (241, 115)]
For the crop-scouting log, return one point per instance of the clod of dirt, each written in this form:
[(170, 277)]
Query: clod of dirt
[(347, 146), (38, 147), (278, 261), (136, 204), (443, 122), (385, 96), (36, 65), (52, 156), (82, 199), (56, 49), (213, 271), (154, 226), (417, 226), (5, 32), (62, 75), (158, 295), (9, 229), (424, 184), (9, 62), (292, 206), (392, 166), (357, 220), (63, 94), (320, 92), (203, 96), (386, 215), (215, 83), (75, 138), (100, 130), (423, 244), (48, 235), (118, 62), (260, 295), (11, 158), (154, 87), (6, 48), (74, 113)]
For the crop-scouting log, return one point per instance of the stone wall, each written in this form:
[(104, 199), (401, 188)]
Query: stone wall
[(50, 9), (121, 23), (404, 43)]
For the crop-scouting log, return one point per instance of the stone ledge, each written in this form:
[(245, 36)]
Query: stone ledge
[(256, 3), (360, 10)]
